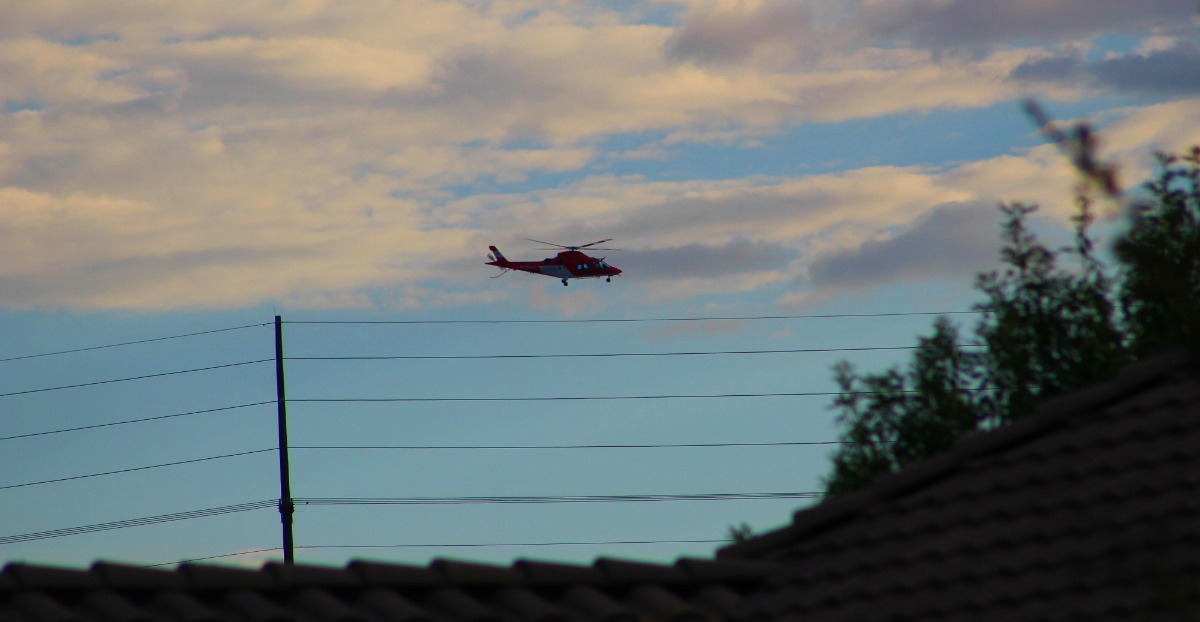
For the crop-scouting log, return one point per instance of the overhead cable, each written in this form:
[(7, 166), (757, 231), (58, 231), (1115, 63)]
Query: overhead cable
[(499, 544), (588, 398), (140, 522), (200, 559), (503, 447), (158, 375), (554, 499), (130, 421), (130, 343), (603, 355), (142, 468), (635, 320), (336, 501)]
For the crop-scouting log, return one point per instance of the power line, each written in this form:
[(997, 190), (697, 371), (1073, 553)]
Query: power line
[(159, 375), (200, 559), (331, 501), (140, 522), (131, 421), (142, 468), (445, 447), (499, 544), (129, 343), (636, 320), (603, 355), (577, 398), (561, 321), (607, 397), (522, 447), (554, 499)]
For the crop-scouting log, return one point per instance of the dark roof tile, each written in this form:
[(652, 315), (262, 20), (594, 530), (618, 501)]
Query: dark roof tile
[(621, 571), (459, 605), (322, 606), (401, 575), (592, 604), (719, 598), (255, 607), (112, 607), (470, 573), (553, 574), (24, 575), (663, 605), (206, 577), (731, 571), (300, 575), (182, 607), (36, 606), (122, 576), (385, 604), (528, 605)]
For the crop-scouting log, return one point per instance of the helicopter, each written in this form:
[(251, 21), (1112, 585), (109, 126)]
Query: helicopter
[(570, 263)]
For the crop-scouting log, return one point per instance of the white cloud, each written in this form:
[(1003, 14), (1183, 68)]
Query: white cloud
[(39, 72), (1132, 139)]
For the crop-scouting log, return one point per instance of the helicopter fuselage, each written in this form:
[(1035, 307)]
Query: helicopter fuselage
[(568, 264)]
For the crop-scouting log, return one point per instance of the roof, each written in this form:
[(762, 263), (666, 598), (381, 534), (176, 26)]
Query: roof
[(1087, 509), (691, 590)]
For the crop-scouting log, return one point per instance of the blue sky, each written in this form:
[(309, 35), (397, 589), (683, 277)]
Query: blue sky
[(185, 168)]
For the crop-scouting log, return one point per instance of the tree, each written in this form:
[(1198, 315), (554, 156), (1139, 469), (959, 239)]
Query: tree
[(1160, 259), (895, 418), (1044, 330)]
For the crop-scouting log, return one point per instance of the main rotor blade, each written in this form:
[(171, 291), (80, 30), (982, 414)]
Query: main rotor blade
[(548, 243), (593, 243)]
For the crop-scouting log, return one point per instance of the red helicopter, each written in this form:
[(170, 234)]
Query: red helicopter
[(570, 263)]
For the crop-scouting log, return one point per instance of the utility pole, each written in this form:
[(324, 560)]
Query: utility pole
[(286, 507)]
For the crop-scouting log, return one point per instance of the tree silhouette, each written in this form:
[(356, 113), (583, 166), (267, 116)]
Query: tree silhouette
[(1044, 330), (1160, 259)]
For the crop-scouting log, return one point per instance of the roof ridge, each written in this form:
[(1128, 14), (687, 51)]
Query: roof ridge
[(1046, 416)]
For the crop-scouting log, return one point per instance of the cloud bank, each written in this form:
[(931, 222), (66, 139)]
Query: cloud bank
[(175, 155)]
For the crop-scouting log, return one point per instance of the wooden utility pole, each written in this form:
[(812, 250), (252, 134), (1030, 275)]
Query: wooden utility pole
[(286, 507)]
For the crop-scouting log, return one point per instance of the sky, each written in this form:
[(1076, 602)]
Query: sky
[(817, 177)]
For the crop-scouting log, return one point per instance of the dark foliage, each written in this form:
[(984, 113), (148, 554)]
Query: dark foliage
[(1160, 259), (1046, 330)]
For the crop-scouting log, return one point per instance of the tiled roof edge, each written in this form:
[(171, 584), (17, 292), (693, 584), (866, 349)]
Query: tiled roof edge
[(1048, 415), (1055, 411), (813, 520), (440, 572)]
